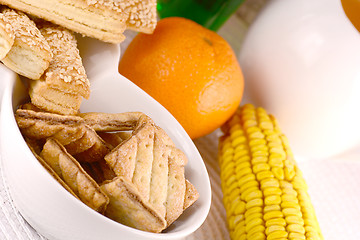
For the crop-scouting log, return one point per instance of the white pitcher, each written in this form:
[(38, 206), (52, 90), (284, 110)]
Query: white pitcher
[(301, 62)]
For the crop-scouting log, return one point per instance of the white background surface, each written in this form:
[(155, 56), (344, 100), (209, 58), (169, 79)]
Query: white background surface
[(334, 183)]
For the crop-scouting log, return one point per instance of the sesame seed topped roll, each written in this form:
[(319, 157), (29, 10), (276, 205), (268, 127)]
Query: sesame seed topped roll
[(64, 84), (6, 37), (105, 20), (141, 14), (30, 54), (66, 71)]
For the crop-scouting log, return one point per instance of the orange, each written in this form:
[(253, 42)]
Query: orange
[(192, 71), (351, 9)]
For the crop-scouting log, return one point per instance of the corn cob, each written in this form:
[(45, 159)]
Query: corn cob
[(264, 193)]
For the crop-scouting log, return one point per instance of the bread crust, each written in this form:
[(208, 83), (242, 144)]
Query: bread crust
[(104, 20), (30, 54), (7, 36)]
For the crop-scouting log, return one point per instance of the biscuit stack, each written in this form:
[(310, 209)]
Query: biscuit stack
[(42, 47), (105, 20), (47, 55), (121, 165)]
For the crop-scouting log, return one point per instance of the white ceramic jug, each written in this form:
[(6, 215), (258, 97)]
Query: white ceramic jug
[(301, 62)]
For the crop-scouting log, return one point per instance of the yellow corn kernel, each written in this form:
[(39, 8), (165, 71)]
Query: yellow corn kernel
[(296, 236), (269, 182), (274, 228), (253, 223), (247, 178), (277, 234), (273, 214), (255, 230), (249, 218), (248, 185), (238, 141), (260, 167), (290, 205), (263, 175), (295, 227), (252, 211), (259, 157), (270, 208), (294, 219), (276, 221), (272, 191), (292, 212), (234, 220), (256, 236), (272, 199), (278, 172), (265, 195), (255, 203), (251, 194)]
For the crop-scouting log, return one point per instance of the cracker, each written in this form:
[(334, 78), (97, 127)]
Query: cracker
[(41, 125), (113, 139), (99, 171), (176, 185), (71, 172), (105, 122), (191, 194), (35, 150), (128, 207), (71, 131), (89, 148), (152, 163)]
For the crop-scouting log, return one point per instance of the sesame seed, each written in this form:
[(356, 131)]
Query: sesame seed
[(24, 29), (66, 63), (141, 14)]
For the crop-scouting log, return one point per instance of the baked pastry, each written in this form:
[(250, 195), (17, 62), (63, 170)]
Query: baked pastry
[(191, 194), (30, 53), (7, 37), (71, 172), (149, 162), (143, 175), (80, 140), (36, 151), (105, 20), (113, 139), (107, 122), (63, 85), (53, 100), (89, 148), (128, 207), (142, 16), (99, 171), (41, 125)]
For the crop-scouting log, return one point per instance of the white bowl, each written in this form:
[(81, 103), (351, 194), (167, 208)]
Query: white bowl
[(55, 213)]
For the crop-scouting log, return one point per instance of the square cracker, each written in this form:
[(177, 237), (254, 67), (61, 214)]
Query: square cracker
[(71, 172), (128, 207)]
